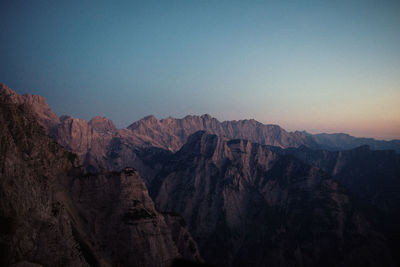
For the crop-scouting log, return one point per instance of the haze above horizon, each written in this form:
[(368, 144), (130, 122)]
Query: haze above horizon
[(319, 66)]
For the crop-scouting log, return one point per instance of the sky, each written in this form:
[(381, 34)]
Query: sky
[(321, 66)]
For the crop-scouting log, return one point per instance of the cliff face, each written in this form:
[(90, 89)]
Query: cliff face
[(35, 222), (247, 205), (119, 213), (53, 214)]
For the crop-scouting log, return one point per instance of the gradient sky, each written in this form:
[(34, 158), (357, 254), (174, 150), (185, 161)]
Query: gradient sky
[(322, 66)]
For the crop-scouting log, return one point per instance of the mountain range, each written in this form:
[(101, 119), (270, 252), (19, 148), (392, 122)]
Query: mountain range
[(190, 191)]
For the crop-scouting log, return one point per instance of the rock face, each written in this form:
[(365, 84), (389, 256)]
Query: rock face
[(35, 222), (54, 214), (172, 133), (124, 222), (248, 205)]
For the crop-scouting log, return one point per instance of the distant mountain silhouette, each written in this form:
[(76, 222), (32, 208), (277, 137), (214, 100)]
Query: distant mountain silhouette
[(341, 141)]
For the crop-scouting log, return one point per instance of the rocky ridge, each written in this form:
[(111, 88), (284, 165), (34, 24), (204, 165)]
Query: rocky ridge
[(172, 133)]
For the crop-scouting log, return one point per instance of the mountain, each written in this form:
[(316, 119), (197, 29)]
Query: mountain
[(172, 133), (101, 146), (248, 205), (274, 199), (53, 213), (341, 141)]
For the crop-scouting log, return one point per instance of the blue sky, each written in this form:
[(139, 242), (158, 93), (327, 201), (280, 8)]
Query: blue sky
[(322, 66)]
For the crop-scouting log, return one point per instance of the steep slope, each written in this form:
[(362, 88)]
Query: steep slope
[(247, 205), (172, 133), (53, 214), (341, 141)]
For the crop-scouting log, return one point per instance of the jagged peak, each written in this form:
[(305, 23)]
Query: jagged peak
[(99, 119), (151, 118), (5, 90), (102, 124), (206, 116)]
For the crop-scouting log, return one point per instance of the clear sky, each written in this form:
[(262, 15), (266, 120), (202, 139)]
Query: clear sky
[(322, 66)]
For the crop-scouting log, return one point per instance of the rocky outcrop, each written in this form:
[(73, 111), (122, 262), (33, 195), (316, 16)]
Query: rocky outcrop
[(248, 205), (37, 104), (52, 213)]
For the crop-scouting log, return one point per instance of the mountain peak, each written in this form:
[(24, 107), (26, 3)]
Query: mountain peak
[(151, 118), (102, 124), (206, 116), (37, 103), (5, 90)]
